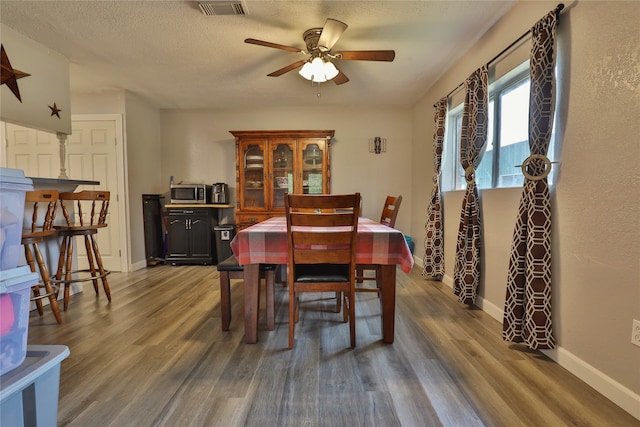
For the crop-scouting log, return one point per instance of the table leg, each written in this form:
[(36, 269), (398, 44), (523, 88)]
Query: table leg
[(251, 299), (388, 302), (225, 300)]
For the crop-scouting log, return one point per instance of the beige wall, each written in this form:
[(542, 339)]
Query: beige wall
[(197, 146), (99, 102), (596, 236), (143, 158)]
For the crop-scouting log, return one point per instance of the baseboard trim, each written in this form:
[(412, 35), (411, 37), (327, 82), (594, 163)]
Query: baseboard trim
[(447, 280), (608, 387), (611, 389), (490, 308), (138, 265)]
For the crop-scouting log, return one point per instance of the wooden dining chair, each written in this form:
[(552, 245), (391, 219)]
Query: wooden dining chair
[(90, 215), (322, 232), (388, 217), (44, 204)]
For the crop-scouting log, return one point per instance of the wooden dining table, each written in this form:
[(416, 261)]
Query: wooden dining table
[(266, 243)]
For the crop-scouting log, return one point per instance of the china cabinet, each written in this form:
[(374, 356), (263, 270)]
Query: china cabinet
[(272, 163)]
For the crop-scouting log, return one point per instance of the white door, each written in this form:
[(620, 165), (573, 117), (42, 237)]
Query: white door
[(35, 152), (91, 154)]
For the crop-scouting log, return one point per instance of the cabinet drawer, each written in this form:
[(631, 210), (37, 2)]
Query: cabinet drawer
[(245, 220), (189, 211)]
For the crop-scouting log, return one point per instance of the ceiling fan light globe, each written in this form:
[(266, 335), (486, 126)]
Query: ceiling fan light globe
[(319, 78), (306, 71), (318, 70), (330, 70), (317, 65)]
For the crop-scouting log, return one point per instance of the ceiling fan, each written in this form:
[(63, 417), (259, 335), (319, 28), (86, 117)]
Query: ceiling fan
[(319, 66)]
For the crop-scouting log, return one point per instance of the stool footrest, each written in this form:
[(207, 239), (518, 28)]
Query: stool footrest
[(82, 279), (46, 294)]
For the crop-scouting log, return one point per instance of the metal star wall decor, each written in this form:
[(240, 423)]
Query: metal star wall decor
[(55, 111), (10, 75)]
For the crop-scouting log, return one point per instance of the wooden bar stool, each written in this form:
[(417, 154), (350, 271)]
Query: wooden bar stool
[(43, 201), (230, 269), (90, 216)]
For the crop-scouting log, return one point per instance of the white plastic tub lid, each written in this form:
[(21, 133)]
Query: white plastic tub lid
[(14, 179), (19, 277)]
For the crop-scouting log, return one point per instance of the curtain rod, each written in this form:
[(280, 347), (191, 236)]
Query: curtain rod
[(557, 10)]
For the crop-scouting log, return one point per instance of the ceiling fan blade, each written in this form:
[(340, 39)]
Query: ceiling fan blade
[(367, 55), (288, 68), (273, 45), (331, 32), (341, 78)]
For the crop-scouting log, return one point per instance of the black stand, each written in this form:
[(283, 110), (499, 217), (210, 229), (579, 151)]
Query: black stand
[(153, 234)]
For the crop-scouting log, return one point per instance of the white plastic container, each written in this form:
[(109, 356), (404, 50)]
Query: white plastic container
[(13, 186), (29, 394), (15, 285)]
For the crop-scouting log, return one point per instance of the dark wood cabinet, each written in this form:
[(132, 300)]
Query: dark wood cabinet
[(190, 235)]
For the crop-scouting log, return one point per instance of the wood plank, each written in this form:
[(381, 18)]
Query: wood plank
[(156, 356)]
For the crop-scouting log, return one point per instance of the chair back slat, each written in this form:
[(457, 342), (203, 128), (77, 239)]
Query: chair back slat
[(390, 211), (322, 256), (91, 208), (330, 202), (335, 238), (323, 219), (45, 200)]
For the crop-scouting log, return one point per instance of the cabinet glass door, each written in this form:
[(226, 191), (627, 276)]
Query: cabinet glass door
[(282, 168), (312, 168), (252, 179)]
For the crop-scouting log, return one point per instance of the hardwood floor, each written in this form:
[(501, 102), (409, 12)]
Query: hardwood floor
[(156, 356)]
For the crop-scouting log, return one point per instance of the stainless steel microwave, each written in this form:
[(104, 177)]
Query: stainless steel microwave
[(190, 193)]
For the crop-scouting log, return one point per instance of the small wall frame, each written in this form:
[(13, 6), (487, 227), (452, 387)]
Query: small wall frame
[(377, 145)]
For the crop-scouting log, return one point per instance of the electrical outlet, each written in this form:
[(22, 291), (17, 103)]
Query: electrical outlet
[(635, 333)]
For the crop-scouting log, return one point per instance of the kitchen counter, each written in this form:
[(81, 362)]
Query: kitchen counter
[(59, 184)]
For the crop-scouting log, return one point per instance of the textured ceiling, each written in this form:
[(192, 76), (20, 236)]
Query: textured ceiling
[(174, 56)]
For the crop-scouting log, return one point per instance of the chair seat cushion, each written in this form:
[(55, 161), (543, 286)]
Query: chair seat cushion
[(231, 264), (321, 273)]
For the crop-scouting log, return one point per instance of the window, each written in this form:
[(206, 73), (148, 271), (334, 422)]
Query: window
[(507, 136)]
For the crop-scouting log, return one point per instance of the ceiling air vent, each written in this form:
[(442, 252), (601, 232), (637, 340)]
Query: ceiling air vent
[(211, 8)]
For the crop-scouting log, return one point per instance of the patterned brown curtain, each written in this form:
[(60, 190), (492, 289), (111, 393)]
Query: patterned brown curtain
[(527, 314), (433, 263), (473, 137)]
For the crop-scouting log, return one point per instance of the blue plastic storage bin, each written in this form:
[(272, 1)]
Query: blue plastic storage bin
[(13, 187), (15, 285), (410, 243)]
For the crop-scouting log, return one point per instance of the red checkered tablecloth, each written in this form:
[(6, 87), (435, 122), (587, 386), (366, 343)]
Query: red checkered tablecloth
[(266, 243)]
